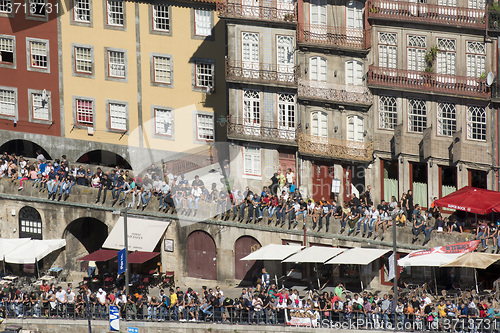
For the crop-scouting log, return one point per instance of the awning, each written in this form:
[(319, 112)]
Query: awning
[(315, 254), (100, 255), (9, 244), (273, 252), (143, 234), (357, 256), (438, 256), (477, 260), (472, 200), (34, 250), (140, 257)]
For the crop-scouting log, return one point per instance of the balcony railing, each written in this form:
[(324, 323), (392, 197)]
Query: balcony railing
[(262, 131), (280, 12), (242, 71), (340, 37), (494, 20), (428, 82), (345, 94), (335, 148), (427, 13)]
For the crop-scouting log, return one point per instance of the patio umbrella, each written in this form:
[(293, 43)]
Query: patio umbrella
[(476, 260)]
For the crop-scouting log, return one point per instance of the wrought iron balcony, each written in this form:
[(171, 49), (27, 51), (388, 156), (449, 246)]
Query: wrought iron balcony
[(427, 13), (427, 82), (338, 93), (335, 148), (241, 71), (331, 36), (287, 13), (261, 131)]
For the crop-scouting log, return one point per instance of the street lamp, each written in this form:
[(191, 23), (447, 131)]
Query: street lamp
[(125, 239)]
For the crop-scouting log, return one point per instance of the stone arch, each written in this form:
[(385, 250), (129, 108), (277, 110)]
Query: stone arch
[(24, 147), (201, 255), (243, 246), (105, 158)]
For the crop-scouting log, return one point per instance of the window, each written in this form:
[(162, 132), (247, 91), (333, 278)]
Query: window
[(6, 6), (417, 115), (354, 72), (354, 16), (319, 124), (202, 22), (251, 161), (476, 123), (204, 75), (205, 127), (286, 111), (118, 116), (7, 50), (388, 112), (84, 60), (8, 102), (449, 3), (40, 107), (318, 12), (477, 4), (355, 128), (250, 47), (30, 223), (162, 69), (446, 56), (476, 59), (161, 18), (115, 12), (284, 56), (416, 53), (387, 52), (116, 64), (317, 69), (446, 119), (251, 108), (37, 7), (39, 54), (84, 112), (163, 121), (81, 11)]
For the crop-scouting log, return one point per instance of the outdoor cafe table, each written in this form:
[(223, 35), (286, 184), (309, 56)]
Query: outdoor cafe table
[(10, 278), (47, 278)]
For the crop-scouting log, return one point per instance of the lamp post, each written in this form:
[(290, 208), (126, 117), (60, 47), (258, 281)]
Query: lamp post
[(125, 236), (395, 258)]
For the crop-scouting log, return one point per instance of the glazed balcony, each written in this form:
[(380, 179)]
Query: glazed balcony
[(277, 12), (334, 37), (337, 93), (426, 13), (261, 131), (332, 148), (427, 82), (244, 72)]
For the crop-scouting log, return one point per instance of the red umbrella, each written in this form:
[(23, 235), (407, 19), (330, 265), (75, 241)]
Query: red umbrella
[(472, 200)]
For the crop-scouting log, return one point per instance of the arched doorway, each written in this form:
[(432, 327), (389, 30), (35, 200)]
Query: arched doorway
[(24, 147), (202, 256), (105, 158), (242, 247), (30, 223)]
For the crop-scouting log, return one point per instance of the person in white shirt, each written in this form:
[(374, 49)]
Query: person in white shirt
[(374, 217), (195, 196), (101, 299), (61, 299), (425, 299)]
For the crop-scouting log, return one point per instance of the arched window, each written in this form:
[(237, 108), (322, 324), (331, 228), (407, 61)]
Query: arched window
[(354, 72), (355, 128), (30, 223), (319, 124), (476, 123), (317, 69)]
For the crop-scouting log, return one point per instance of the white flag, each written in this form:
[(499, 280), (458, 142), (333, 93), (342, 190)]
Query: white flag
[(392, 272)]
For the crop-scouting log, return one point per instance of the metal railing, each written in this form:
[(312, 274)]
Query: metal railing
[(338, 93), (266, 131), (243, 71), (335, 148), (441, 83), (341, 37), (427, 13), (277, 13)]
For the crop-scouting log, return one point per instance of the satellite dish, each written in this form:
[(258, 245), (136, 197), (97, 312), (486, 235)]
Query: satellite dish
[(489, 79), (44, 94)]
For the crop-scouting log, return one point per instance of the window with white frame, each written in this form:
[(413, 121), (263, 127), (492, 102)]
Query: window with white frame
[(387, 50), (476, 123), (205, 127), (318, 12), (251, 108), (446, 119), (355, 128), (446, 56), (37, 7), (116, 64), (83, 60), (354, 72), (204, 74), (7, 50), (39, 54), (417, 115), (202, 22), (416, 52), (476, 4), (40, 107), (6, 6), (286, 111), (115, 12), (161, 18), (319, 124), (162, 69), (84, 112), (251, 161), (81, 11), (476, 59), (317, 69), (284, 53), (163, 121), (7, 102), (388, 112), (250, 49), (118, 116), (448, 3)]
